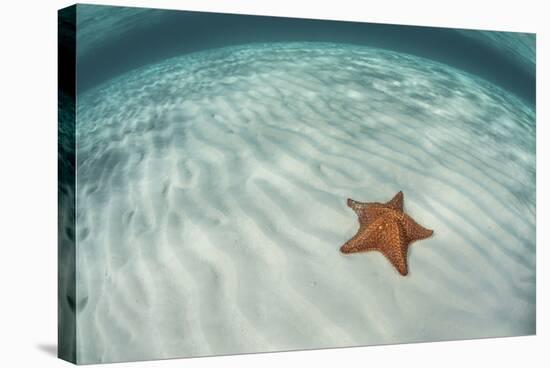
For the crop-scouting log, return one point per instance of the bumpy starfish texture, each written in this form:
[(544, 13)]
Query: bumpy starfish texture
[(386, 228)]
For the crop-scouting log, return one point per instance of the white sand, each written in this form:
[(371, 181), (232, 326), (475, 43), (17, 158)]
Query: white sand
[(212, 204)]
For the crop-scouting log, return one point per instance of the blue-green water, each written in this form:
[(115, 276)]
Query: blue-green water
[(113, 40)]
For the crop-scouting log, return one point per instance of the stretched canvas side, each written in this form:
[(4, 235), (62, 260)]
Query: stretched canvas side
[(66, 282)]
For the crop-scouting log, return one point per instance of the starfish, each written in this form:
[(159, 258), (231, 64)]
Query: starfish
[(386, 228)]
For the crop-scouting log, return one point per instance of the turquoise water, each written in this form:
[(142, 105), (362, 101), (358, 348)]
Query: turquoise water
[(112, 40)]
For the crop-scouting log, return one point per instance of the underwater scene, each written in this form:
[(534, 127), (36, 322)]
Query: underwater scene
[(236, 184)]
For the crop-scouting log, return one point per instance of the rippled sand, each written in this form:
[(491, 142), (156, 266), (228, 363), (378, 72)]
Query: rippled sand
[(211, 201)]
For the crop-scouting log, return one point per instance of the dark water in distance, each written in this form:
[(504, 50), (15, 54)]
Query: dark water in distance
[(152, 35)]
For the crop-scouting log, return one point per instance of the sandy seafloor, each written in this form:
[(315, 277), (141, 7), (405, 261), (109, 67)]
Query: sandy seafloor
[(211, 199)]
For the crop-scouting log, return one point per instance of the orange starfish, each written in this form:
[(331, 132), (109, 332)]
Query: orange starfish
[(386, 228)]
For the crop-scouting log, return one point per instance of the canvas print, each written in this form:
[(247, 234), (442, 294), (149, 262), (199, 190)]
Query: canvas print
[(238, 184)]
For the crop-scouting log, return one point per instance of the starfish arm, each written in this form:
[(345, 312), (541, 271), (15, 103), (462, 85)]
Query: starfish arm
[(414, 231), (366, 212), (356, 206), (360, 209), (358, 243), (396, 203), (394, 247)]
